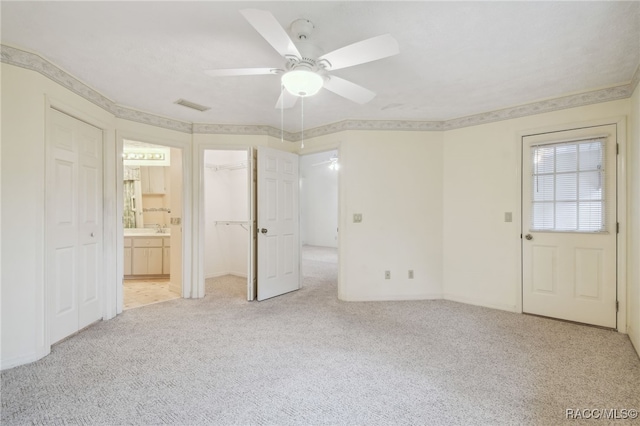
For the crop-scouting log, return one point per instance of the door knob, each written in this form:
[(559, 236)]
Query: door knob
[(529, 237), (264, 230)]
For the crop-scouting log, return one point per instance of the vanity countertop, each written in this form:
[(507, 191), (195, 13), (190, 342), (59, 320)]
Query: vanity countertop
[(146, 234)]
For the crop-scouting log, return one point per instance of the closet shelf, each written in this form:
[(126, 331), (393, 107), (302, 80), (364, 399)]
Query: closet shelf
[(231, 166), (242, 223)]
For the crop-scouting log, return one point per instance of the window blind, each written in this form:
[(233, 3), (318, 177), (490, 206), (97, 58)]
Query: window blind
[(568, 186)]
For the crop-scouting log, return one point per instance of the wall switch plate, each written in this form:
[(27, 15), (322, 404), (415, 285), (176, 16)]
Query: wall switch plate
[(357, 217), (387, 275), (508, 217), (410, 274)]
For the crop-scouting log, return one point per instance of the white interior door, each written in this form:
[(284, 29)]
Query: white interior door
[(569, 225), (278, 226), (74, 249)]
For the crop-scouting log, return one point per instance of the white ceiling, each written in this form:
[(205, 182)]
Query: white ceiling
[(456, 58)]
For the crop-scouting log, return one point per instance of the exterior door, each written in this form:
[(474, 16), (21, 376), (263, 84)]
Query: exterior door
[(569, 225), (74, 228), (278, 226)]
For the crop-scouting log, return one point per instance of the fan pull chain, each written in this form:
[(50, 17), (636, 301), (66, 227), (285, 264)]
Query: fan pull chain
[(282, 114), (302, 121)]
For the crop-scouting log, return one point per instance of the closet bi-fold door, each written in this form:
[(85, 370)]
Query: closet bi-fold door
[(278, 228), (74, 225)]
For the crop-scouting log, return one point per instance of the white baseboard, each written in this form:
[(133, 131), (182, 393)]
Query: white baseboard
[(238, 274), (634, 336), (394, 297), (6, 364), (480, 302), (222, 274)]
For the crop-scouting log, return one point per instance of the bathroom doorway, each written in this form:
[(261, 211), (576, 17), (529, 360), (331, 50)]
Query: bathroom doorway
[(152, 191)]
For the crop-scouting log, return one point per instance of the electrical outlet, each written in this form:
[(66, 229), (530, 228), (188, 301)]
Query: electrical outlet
[(508, 217), (410, 274), (357, 217), (387, 275)]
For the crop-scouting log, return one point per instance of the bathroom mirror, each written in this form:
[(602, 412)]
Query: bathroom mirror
[(146, 188)]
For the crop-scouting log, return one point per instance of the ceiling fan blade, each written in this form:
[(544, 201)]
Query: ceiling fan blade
[(288, 99), (271, 30), (348, 90), (240, 71), (361, 52)]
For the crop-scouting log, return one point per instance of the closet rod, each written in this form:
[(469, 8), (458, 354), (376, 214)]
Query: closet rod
[(233, 222), (231, 166)]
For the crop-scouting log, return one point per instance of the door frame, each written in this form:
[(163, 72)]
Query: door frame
[(324, 149), (342, 198), (621, 205), (187, 290), (198, 206), (108, 219)]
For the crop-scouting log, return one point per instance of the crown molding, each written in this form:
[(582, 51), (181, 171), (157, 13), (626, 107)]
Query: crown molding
[(31, 61)]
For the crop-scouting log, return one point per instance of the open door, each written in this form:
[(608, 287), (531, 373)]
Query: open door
[(278, 228), (252, 279)]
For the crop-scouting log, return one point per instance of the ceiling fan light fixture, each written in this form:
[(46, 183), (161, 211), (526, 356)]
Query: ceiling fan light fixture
[(302, 82)]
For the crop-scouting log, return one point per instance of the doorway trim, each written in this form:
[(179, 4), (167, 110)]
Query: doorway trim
[(198, 207), (621, 205), (187, 290), (333, 146)]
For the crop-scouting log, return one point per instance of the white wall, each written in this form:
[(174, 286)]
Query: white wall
[(633, 272), (318, 200), (23, 207), (226, 199), (22, 287), (481, 251), (431, 201), (394, 179)]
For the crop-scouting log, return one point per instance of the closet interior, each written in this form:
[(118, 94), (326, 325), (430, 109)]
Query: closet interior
[(226, 198)]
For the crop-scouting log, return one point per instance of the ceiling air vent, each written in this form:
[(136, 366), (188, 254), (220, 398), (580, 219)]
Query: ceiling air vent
[(191, 105)]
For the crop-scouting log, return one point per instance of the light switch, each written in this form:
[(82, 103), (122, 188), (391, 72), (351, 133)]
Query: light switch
[(357, 217), (508, 217)]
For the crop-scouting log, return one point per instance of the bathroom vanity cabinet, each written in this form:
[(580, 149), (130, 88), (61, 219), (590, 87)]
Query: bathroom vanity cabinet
[(147, 255)]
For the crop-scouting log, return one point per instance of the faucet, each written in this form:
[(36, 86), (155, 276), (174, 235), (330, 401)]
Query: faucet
[(158, 228)]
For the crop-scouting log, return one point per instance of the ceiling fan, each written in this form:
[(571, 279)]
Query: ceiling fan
[(307, 68)]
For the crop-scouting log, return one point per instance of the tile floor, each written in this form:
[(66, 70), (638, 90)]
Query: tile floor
[(145, 292)]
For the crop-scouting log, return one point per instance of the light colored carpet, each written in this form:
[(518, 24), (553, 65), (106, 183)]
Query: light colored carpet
[(306, 358)]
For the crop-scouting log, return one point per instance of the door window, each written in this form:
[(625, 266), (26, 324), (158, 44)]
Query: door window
[(568, 186)]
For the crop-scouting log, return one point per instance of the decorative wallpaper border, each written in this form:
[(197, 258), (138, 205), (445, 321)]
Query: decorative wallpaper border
[(34, 62), (240, 129)]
